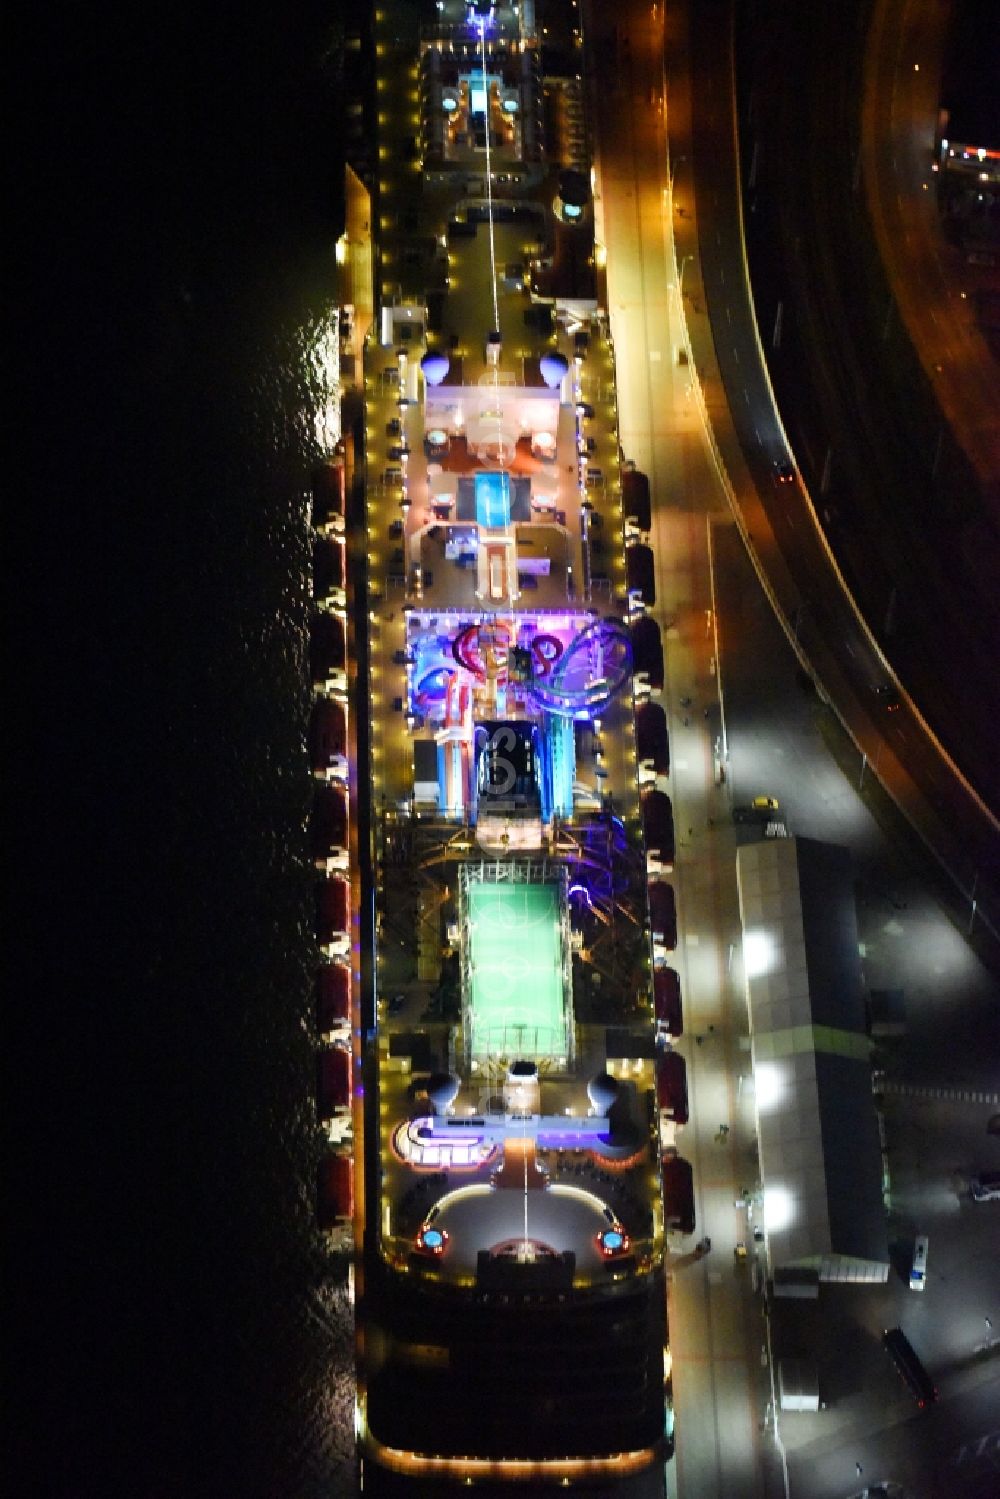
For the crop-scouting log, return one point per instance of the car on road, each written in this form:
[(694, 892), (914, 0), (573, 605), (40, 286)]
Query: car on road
[(761, 809), (784, 473), (985, 1187), (888, 697)]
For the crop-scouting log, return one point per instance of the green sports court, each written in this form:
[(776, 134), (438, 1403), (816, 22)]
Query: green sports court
[(514, 995)]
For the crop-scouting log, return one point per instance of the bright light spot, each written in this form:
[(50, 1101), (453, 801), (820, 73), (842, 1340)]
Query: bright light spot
[(779, 1209), (758, 953), (769, 1086), (324, 358)]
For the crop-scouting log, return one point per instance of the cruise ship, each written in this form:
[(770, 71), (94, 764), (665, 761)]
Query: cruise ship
[(498, 1058)]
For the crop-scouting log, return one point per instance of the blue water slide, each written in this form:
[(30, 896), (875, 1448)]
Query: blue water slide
[(542, 744), (562, 756), (442, 781)]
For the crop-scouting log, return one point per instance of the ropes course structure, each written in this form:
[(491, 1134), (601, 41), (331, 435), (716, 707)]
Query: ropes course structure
[(569, 680)]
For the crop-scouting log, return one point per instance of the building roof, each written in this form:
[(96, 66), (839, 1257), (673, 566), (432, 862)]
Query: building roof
[(817, 1131)]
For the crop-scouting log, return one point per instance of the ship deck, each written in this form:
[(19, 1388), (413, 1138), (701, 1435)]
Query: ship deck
[(517, 1148)]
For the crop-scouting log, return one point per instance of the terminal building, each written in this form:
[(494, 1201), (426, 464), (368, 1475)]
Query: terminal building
[(817, 1132)]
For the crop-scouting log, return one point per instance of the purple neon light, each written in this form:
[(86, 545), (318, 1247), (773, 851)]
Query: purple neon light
[(578, 1132)]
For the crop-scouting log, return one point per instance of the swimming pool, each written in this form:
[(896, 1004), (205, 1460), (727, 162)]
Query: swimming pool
[(493, 499)]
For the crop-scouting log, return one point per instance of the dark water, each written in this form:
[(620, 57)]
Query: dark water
[(181, 1331)]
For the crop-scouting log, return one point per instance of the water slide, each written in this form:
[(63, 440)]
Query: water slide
[(561, 744), (595, 666), (433, 688)]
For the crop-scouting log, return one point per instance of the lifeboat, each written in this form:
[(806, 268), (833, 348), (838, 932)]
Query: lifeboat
[(671, 1086), (335, 1191), (667, 1001), (333, 1083), (333, 999)]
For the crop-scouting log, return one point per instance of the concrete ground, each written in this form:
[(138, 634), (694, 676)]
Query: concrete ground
[(716, 1327)]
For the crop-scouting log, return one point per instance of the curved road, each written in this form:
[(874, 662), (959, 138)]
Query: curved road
[(905, 514), (788, 545), (932, 285)]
